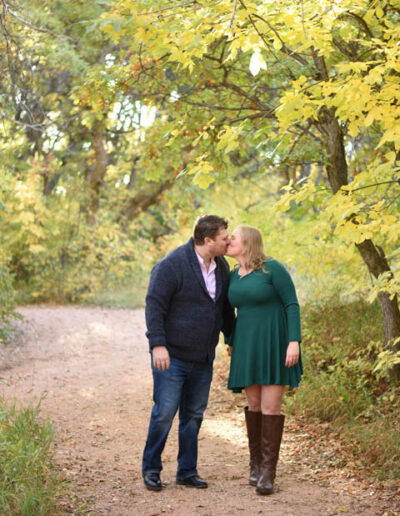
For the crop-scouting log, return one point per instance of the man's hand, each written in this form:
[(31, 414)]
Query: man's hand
[(160, 358), (292, 354)]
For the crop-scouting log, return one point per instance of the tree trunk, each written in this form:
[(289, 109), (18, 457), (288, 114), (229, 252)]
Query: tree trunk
[(97, 172), (373, 256), (337, 165), (143, 200), (377, 264)]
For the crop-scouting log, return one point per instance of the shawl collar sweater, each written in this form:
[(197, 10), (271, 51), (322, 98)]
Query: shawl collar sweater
[(180, 314)]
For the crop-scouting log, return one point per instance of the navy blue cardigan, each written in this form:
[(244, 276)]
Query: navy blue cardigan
[(180, 314)]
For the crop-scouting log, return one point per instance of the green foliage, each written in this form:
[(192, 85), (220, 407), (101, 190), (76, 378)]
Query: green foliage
[(58, 254), (78, 169), (7, 292), (382, 453), (29, 485), (7, 300), (341, 344), (55, 254), (305, 95), (341, 384), (118, 135), (386, 361)]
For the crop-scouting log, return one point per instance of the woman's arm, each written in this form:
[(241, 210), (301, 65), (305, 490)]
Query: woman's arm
[(283, 284), (285, 289)]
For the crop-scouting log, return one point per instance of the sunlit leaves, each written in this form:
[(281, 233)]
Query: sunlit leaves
[(201, 171), (229, 138), (237, 93)]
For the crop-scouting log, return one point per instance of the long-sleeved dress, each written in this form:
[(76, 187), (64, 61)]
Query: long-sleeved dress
[(268, 318)]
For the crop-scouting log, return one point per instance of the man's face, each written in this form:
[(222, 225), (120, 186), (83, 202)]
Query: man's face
[(218, 246)]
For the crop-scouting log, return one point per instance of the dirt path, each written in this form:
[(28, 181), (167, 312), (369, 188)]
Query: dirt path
[(92, 365)]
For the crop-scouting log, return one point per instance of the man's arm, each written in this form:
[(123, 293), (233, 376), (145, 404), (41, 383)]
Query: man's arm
[(162, 286)]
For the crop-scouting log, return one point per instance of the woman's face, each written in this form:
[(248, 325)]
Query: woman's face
[(235, 247)]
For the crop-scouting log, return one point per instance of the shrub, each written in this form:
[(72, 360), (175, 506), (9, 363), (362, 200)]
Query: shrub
[(341, 346), (7, 299), (29, 485)]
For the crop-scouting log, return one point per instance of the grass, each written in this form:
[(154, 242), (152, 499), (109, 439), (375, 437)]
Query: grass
[(121, 298), (100, 289), (29, 484), (112, 296), (340, 347)]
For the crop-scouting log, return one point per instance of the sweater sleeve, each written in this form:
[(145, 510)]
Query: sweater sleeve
[(162, 286), (285, 288)]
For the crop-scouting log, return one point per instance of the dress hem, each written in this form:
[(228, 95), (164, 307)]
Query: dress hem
[(237, 390)]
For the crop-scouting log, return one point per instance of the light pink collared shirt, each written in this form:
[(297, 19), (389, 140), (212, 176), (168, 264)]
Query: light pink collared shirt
[(208, 275)]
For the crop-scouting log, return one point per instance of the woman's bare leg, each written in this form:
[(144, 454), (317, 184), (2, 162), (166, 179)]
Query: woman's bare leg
[(271, 398), (253, 394)]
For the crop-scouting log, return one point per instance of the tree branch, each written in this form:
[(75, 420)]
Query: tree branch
[(360, 20), (233, 17), (31, 26), (296, 141), (243, 93), (221, 108), (307, 131), (178, 6), (240, 118), (266, 43), (24, 124), (143, 200), (284, 49), (196, 8), (377, 184)]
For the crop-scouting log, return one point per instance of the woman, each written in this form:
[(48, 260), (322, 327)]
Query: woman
[(265, 348)]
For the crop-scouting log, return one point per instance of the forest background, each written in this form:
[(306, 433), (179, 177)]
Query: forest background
[(122, 121)]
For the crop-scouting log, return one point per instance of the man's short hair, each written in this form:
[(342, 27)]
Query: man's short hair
[(208, 226)]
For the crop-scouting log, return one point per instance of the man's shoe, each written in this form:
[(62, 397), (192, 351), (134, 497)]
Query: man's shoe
[(193, 481), (152, 481)]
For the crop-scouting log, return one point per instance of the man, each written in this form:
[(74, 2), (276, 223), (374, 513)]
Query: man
[(186, 308)]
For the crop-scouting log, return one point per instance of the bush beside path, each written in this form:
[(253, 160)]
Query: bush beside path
[(93, 368)]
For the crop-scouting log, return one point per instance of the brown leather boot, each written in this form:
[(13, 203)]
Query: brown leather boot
[(271, 436), (253, 424)]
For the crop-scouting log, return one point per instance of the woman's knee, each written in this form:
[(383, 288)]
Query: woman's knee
[(253, 394), (271, 399)]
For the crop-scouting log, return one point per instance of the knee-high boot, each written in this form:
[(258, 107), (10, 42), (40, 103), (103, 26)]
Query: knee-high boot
[(271, 436), (253, 424)]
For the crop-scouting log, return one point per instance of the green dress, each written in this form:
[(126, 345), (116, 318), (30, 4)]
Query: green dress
[(268, 318)]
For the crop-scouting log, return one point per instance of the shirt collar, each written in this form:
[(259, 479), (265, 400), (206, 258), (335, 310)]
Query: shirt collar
[(212, 266)]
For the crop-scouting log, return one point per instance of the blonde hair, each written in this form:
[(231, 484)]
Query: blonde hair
[(253, 247)]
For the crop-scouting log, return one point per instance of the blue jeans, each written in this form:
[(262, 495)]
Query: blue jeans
[(185, 385)]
